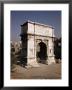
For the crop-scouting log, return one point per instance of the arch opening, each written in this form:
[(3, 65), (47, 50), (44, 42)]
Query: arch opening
[(41, 53)]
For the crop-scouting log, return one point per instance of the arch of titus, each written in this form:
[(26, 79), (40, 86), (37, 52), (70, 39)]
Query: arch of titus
[(37, 43)]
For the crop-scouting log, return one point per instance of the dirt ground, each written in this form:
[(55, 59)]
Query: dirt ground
[(52, 71)]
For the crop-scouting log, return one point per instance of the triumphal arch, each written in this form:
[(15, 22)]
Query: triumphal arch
[(37, 43)]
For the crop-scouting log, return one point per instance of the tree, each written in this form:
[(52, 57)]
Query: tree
[(12, 56), (57, 48)]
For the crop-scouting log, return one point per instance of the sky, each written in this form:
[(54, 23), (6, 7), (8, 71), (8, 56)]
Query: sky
[(18, 18)]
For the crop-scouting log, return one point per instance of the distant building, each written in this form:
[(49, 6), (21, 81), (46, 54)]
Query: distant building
[(37, 43)]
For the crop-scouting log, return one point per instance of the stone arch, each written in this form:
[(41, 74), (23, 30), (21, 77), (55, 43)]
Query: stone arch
[(41, 52)]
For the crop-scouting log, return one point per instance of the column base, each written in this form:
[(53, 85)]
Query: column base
[(51, 60), (32, 62)]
